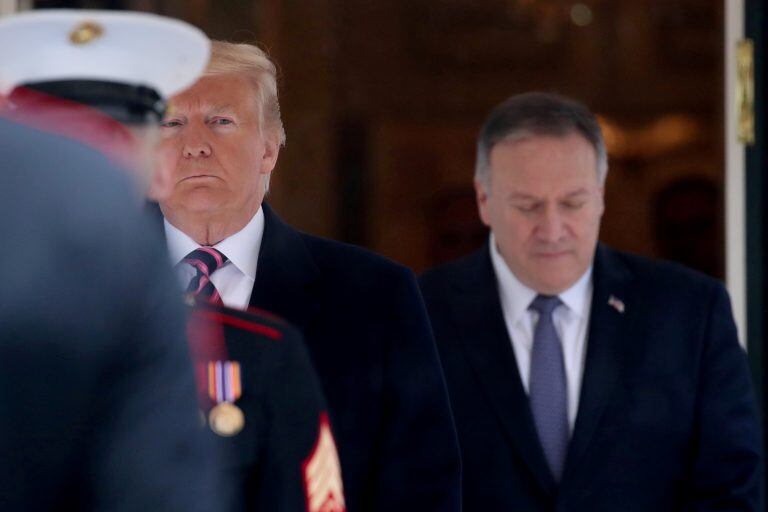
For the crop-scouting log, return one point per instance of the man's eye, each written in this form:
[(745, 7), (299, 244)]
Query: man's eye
[(526, 208), (222, 121), (573, 205), (170, 124)]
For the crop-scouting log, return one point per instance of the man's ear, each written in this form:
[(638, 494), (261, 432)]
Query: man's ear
[(481, 194), (271, 151)]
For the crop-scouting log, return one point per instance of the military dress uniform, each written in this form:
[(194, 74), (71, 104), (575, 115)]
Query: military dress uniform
[(262, 405)]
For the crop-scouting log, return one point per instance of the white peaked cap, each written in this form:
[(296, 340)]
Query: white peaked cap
[(133, 48)]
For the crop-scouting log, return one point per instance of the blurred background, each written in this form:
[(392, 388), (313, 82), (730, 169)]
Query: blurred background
[(382, 101)]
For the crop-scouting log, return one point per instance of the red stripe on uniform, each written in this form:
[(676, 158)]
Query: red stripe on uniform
[(270, 332)]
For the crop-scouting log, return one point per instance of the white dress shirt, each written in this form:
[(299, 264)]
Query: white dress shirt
[(235, 279), (570, 319)]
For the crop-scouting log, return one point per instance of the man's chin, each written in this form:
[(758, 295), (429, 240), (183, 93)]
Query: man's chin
[(198, 201), (553, 279)]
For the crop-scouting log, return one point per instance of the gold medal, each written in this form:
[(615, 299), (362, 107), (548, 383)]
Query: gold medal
[(226, 419)]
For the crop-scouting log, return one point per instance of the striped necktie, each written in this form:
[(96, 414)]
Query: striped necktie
[(205, 260)]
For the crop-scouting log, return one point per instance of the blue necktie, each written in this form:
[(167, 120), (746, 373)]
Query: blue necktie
[(547, 388)]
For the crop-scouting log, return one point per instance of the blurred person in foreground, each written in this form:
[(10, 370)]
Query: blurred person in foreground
[(583, 378), (362, 316), (97, 408)]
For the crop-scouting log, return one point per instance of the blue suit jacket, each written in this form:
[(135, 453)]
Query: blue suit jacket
[(666, 419), (367, 331)]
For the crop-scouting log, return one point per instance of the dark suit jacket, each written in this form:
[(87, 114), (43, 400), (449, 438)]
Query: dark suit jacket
[(666, 418), (366, 328), (97, 397)]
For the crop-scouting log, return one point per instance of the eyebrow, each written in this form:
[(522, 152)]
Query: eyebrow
[(579, 192), (207, 107), (521, 196)]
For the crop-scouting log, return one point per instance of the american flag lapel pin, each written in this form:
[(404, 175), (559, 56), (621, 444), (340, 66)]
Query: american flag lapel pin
[(616, 304)]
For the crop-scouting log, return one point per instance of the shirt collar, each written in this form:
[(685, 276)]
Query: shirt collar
[(578, 296), (517, 297), (242, 248), (179, 243)]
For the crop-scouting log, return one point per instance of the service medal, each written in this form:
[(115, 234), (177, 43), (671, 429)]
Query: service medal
[(226, 419), (224, 388)]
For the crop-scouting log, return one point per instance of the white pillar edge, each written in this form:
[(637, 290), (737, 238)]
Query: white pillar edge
[(735, 188)]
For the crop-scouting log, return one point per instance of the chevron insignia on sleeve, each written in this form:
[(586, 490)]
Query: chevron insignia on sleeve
[(322, 473)]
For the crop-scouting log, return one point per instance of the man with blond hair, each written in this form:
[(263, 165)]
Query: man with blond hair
[(362, 316)]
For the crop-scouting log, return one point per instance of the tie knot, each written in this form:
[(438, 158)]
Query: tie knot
[(206, 260), (544, 305)]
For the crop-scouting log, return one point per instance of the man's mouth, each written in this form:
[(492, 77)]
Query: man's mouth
[(551, 254), (197, 176)]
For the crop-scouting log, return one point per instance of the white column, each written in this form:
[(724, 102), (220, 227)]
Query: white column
[(735, 208)]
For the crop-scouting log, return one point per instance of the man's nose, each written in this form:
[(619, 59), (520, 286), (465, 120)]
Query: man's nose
[(550, 227), (196, 146)]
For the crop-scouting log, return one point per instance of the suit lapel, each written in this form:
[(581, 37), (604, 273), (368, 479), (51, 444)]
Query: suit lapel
[(286, 275), (485, 340), (609, 330)]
